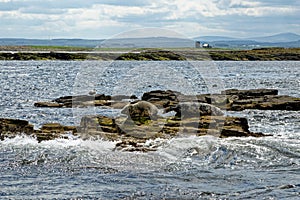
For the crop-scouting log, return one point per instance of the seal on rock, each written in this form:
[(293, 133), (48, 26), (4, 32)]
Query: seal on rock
[(140, 109)]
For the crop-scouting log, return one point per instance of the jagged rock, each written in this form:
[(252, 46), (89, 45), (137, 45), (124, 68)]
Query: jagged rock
[(11, 127), (134, 137), (195, 115), (161, 94), (261, 99), (162, 98), (51, 131), (195, 109), (57, 128), (233, 99)]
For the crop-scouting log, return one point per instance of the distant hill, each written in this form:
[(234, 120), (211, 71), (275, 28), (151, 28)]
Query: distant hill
[(53, 42), (154, 42), (282, 37), (214, 38), (150, 42), (250, 44), (279, 40)]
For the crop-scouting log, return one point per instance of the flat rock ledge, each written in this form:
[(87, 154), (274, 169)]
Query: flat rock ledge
[(82, 101), (132, 134), (231, 100), (10, 128)]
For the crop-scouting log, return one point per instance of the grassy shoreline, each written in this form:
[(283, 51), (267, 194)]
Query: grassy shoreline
[(81, 53)]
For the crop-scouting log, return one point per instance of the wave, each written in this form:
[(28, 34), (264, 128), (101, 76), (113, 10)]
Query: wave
[(180, 153)]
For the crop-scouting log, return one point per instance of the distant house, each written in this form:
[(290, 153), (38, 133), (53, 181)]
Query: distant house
[(197, 44), (206, 45)]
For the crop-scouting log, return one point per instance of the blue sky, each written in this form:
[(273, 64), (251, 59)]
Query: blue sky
[(99, 19)]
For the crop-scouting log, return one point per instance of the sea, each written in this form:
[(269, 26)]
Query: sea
[(185, 167)]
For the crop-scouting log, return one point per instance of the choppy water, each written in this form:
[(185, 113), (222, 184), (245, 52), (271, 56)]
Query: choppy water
[(182, 168)]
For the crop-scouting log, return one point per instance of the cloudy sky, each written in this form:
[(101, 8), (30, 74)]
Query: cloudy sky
[(99, 19)]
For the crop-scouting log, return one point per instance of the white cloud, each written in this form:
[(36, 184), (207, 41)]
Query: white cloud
[(102, 18)]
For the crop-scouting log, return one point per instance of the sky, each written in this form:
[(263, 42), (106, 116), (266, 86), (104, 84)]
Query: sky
[(103, 19)]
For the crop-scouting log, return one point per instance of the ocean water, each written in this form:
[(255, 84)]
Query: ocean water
[(186, 167)]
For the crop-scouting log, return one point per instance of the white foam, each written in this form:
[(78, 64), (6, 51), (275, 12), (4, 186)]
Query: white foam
[(25, 140), (19, 140)]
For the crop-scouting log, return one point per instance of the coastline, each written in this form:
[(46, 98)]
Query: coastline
[(73, 53)]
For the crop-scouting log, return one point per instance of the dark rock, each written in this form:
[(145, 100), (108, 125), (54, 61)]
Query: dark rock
[(102, 97), (11, 127), (161, 95), (252, 93), (134, 137), (270, 102), (122, 97), (57, 128), (52, 131), (48, 104), (195, 109)]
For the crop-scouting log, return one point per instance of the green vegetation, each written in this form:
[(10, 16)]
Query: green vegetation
[(263, 54), (151, 55), (80, 53), (43, 48), (42, 56)]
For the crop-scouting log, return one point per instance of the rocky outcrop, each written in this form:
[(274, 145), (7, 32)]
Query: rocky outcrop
[(134, 137), (261, 99), (242, 94), (195, 109), (53, 130), (118, 101), (9, 128), (267, 103), (140, 120), (133, 134), (140, 124), (233, 99)]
